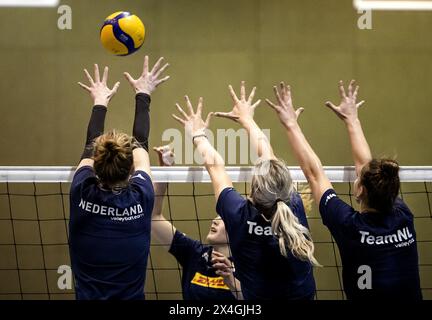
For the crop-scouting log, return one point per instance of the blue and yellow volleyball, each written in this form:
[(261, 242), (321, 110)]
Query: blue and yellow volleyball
[(122, 33)]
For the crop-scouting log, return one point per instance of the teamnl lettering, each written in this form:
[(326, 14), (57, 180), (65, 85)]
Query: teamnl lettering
[(398, 238)]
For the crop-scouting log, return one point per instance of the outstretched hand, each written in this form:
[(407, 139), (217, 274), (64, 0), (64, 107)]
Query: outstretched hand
[(166, 155), (98, 88), (347, 110), (192, 121), (149, 80), (243, 109), (284, 106)]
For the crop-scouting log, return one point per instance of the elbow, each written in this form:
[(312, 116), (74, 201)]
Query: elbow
[(313, 171)]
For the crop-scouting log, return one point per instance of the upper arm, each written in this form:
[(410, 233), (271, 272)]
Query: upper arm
[(163, 230), (141, 160), (219, 178)]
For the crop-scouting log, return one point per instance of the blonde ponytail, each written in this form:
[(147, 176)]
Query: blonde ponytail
[(270, 192), (292, 233)]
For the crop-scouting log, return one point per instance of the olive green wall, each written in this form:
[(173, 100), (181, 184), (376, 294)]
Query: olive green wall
[(209, 44), (310, 44)]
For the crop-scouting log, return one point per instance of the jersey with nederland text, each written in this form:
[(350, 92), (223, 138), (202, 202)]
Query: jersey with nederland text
[(109, 236)]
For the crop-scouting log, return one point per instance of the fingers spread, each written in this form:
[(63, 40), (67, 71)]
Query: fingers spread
[(283, 89), (271, 104), (115, 88), (82, 85), (256, 104), (200, 106), (299, 111), (90, 79), (252, 95), (233, 94), (242, 91), (350, 88), (158, 73), (189, 105), (330, 105), (342, 89), (96, 73), (277, 95), (178, 119), (129, 78), (355, 92), (227, 115), (182, 111), (105, 76), (146, 65), (157, 65), (288, 91), (207, 122), (158, 82)]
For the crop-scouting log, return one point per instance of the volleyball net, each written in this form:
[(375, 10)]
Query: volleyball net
[(34, 217)]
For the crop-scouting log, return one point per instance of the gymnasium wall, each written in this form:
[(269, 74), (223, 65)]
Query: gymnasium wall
[(210, 44)]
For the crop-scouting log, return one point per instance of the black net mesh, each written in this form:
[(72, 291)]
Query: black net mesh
[(34, 238)]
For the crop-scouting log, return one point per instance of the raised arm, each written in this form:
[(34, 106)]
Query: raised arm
[(195, 128), (162, 229), (144, 86), (243, 113), (348, 112), (307, 158), (101, 96)]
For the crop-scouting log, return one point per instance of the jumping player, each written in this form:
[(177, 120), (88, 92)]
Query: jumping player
[(200, 280), (269, 238), (377, 243), (111, 196)]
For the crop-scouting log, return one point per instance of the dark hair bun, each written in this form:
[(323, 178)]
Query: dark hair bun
[(389, 168), (110, 150), (113, 157)]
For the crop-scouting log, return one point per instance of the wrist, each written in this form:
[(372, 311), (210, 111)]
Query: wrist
[(290, 125), (143, 90), (247, 123), (100, 102), (352, 122), (198, 138)]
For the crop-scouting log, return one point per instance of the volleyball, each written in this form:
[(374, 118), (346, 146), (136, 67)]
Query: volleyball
[(122, 33)]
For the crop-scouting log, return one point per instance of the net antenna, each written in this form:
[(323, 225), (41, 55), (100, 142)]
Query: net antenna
[(393, 5)]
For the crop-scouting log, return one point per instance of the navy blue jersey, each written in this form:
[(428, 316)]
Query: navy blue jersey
[(263, 272), (382, 245), (199, 280), (109, 236)]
